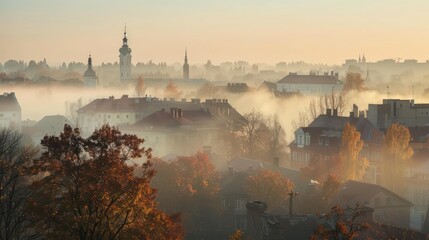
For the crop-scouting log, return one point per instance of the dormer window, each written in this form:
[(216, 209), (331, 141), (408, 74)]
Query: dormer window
[(307, 139)]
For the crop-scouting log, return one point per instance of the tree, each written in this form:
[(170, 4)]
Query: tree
[(398, 153), (352, 165), (140, 86), (252, 132), (354, 81), (342, 223), (14, 186), (270, 187), (208, 90), (89, 191), (172, 91), (237, 235), (71, 110), (190, 185), (277, 137)]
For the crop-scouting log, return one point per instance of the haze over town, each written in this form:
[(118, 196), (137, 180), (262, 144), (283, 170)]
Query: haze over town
[(214, 119)]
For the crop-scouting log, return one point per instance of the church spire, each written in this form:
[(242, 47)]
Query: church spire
[(125, 39), (186, 55), (186, 66)]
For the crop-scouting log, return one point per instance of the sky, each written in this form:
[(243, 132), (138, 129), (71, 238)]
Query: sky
[(269, 31)]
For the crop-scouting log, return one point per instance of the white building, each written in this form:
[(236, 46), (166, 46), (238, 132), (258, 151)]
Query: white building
[(312, 84), (125, 60), (10, 111), (89, 77)]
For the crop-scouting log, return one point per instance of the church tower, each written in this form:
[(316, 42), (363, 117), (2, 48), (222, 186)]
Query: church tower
[(89, 77), (186, 67), (125, 60)]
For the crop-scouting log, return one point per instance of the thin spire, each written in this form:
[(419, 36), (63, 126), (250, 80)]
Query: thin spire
[(186, 55)]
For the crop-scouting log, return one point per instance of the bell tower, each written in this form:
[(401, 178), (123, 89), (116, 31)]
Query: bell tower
[(125, 60)]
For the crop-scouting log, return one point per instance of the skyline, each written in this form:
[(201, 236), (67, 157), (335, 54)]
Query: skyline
[(255, 31)]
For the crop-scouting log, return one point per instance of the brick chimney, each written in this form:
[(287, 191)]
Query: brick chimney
[(328, 112), (335, 112)]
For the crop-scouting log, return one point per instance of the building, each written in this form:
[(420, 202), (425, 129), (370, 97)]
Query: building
[(10, 111), (125, 60), (405, 112), (322, 139), (389, 208), (129, 110), (89, 77), (48, 125), (310, 84), (186, 67), (178, 131)]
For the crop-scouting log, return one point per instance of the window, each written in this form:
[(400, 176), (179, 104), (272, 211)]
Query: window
[(239, 204), (327, 142), (320, 141), (307, 157), (307, 139), (294, 156)]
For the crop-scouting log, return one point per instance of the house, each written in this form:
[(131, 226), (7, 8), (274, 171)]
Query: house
[(322, 139), (179, 131), (48, 125), (417, 182), (129, 110), (312, 84), (389, 208), (401, 111), (10, 111)]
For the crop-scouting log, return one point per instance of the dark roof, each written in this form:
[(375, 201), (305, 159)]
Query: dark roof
[(353, 192), (419, 134), (166, 119), (363, 125), (310, 79), (89, 72), (51, 125), (8, 102), (234, 184)]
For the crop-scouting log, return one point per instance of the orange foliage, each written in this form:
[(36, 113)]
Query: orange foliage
[(172, 91), (352, 166), (90, 190), (270, 187)]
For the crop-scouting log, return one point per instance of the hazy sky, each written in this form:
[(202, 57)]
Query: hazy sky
[(316, 31)]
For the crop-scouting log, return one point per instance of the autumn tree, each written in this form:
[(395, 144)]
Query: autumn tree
[(208, 90), (342, 223), (352, 166), (237, 235), (172, 91), (270, 187), (398, 153), (14, 186), (253, 132), (190, 185), (86, 189), (140, 86), (354, 81)]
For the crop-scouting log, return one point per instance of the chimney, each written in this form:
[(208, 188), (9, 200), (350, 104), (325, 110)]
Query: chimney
[(362, 114), (111, 97), (328, 112), (183, 99), (125, 96), (335, 112), (332, 73), (352, 115), (355, 110), (276, 161), (336, 76), (179, 113)]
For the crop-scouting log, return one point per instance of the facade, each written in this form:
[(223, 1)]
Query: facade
[(405, 112), (322, 140), (125, 61), (312, 84), (129, 110), (10, 111), (186, 67), (89, 77), (48, 125), (178, 131)]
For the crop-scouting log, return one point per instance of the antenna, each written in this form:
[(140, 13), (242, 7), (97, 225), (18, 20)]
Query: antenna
[(388, 92)]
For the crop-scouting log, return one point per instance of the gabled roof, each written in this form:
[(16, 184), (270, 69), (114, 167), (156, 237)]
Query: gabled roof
[(363, 125), (310, 79), (234, 184), (8, 102), (353, 192), (51, 125)]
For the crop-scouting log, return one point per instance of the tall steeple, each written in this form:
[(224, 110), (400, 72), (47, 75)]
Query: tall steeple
[(89, 77), (186, 67), (125, 59)]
